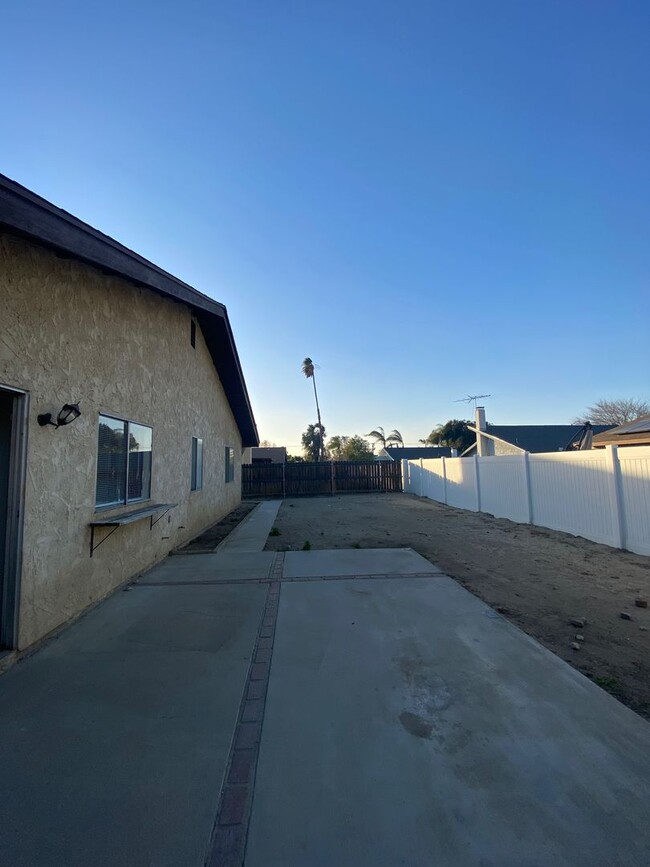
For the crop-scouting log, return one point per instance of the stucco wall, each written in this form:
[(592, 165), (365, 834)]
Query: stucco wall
[(503, 448), (70, 333)]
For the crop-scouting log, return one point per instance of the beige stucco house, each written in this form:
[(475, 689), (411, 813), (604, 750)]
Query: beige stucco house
[(154, 455)]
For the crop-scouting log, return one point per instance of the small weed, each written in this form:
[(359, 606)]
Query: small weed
[(306, 546), (608, 683), (274, 532)]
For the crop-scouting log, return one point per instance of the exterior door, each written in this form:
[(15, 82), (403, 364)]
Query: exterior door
[(13, 406)]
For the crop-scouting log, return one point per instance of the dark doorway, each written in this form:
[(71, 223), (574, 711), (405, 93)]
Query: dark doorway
[(12, 455)]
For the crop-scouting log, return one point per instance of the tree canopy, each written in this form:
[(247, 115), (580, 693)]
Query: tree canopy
[(354, 448), (313, 443), (385, 439), (454, 433), (610, 411)]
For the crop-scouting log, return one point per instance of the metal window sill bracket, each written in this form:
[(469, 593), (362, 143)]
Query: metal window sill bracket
[(115, 521)]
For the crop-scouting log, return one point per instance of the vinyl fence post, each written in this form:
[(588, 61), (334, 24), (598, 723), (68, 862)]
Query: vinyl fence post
[(444, 480), (406, 479), (616, 496), (477, 484), (529, 493), (421, 479)]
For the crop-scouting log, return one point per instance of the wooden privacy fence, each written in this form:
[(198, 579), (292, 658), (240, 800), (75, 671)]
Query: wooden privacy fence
[(326, 477)]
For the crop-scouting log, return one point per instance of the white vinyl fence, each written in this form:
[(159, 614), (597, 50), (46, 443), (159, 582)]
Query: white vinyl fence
[(601, 494)]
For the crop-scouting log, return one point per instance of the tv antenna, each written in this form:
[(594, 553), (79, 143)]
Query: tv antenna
[(472, 398)]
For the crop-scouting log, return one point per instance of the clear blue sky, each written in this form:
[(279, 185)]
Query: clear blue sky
[(429, 198)]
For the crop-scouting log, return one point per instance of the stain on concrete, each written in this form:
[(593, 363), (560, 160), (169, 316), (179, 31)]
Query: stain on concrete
[(415, 725)]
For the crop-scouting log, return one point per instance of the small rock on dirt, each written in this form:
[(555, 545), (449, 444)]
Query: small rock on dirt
[(641, 603), (580, 622), (580, 638), (625, 615), (502, 609), (575, 645)]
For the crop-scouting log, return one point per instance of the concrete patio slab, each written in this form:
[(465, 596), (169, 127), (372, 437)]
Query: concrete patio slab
[(252, 533), (211, 568), (405, 723), (408, 723), (356, 561), (115, 736)]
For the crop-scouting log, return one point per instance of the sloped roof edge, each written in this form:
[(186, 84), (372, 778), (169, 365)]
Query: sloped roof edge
[(397, 453), (632, 432), (535, 438), (489, 436), (28, 215)]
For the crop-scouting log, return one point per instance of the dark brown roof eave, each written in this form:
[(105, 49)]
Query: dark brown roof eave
[(26, 214)]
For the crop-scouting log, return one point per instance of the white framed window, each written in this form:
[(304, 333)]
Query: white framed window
[(196, 472), (230, 464), (124, 453)]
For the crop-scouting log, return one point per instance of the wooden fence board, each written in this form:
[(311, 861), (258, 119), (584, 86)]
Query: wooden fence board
[(326, 477)]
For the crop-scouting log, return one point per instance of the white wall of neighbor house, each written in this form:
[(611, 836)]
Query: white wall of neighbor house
[(603, 495), (71, 333)]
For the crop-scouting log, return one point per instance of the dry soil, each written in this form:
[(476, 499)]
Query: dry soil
[(210, 538), (540, 579)]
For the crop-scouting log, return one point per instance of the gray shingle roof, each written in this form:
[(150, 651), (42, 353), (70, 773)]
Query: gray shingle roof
[(413, 454), (539, 437)]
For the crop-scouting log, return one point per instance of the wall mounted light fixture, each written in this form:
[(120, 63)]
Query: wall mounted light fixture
[(68, 412)]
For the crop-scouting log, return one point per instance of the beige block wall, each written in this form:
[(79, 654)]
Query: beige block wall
[(69, 333)]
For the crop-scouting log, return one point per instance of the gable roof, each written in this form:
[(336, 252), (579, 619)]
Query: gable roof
[(28, 215), (635, 432), (536, 437), (397, 453)]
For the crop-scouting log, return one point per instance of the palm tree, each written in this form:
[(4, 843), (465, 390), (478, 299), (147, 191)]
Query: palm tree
[(336, 446), (308, 368), (386, 439), (312, 442)]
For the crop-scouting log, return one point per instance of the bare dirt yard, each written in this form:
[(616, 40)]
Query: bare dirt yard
[(540, 579)]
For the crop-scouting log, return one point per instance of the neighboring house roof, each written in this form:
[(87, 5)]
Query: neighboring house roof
[(632, 433), (533, 437), (397, 453), (26, 214)]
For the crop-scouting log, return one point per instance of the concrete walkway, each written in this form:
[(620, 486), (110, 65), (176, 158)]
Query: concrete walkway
[(252, 533), (328, 708)]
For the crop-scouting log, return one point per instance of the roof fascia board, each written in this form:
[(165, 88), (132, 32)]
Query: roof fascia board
[(28, 215)]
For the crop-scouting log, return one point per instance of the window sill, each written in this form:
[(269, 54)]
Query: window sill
[(114, 506)]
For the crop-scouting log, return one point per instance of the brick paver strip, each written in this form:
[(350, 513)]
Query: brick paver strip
[(228, 842), (273, 579)]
